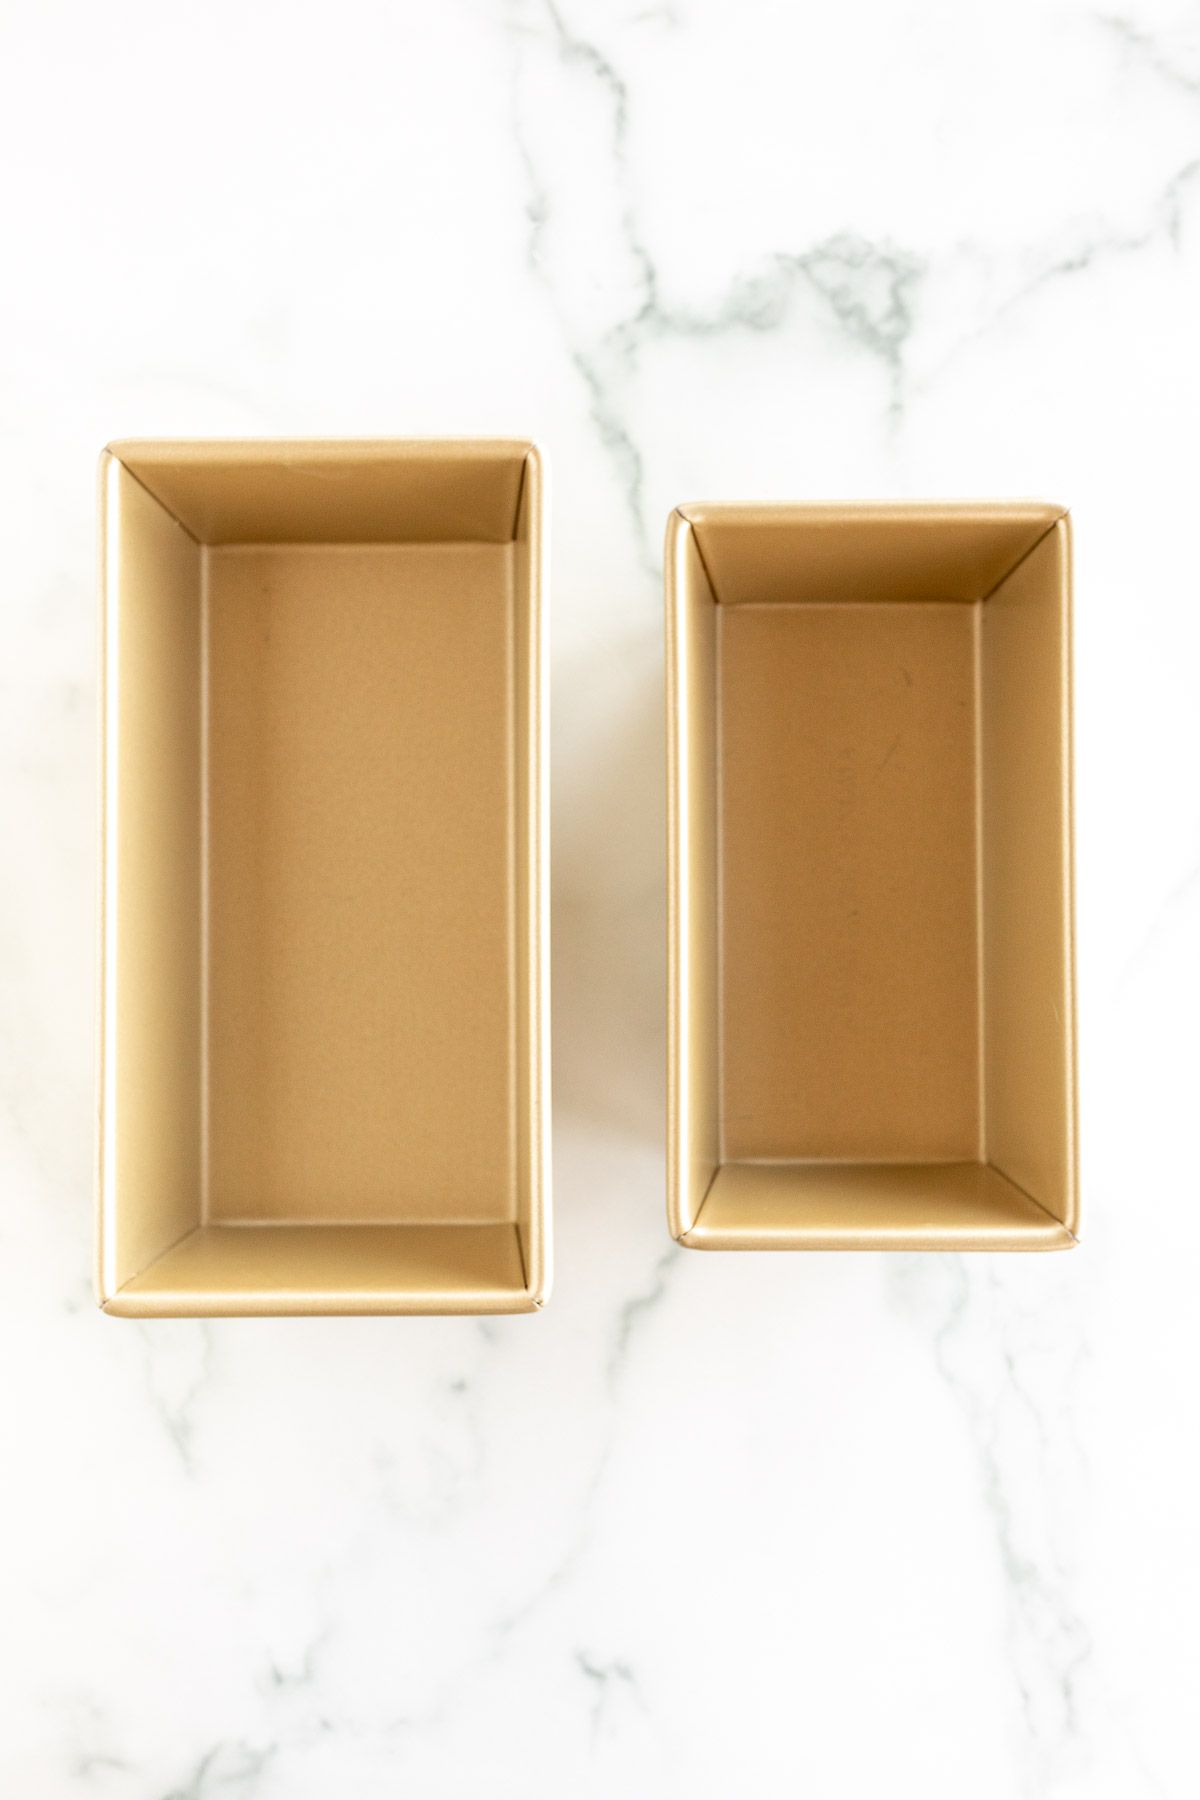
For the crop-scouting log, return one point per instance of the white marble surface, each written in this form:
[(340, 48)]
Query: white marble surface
[(710, 1526)]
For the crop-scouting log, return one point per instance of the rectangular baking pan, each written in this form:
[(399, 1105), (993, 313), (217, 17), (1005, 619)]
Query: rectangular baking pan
[(323, 1042), (871, 969)]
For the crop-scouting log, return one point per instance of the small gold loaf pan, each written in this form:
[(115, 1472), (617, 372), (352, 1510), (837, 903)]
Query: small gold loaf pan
[(324, 1058), (871, 963)]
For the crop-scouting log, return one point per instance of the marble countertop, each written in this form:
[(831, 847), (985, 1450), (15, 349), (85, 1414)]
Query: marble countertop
[(709, 1526)]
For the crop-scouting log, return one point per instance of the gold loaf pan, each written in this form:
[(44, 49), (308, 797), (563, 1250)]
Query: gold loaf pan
[(871, 982), (324, 1059)]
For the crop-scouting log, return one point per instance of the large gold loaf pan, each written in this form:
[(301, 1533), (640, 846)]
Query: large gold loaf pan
[(871, 983), (324, 1058)]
